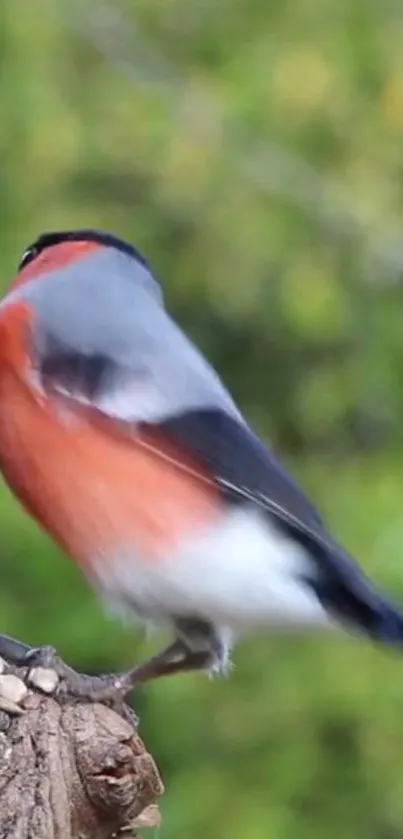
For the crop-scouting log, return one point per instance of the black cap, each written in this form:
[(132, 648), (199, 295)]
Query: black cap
[(47, 240)]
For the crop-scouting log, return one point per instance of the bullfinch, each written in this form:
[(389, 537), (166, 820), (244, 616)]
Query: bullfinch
[(121, 440)]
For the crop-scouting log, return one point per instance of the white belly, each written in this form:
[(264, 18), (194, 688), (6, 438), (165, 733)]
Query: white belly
[(242, 574)]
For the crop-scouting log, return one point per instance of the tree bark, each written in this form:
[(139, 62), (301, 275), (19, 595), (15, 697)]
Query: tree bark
[(70, 770)]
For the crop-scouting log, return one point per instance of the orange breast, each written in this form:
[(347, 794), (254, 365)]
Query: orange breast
[(93, 489)]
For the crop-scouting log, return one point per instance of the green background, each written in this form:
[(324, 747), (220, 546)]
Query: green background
[(253, 151)]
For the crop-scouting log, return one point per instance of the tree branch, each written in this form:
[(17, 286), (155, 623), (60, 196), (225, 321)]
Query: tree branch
[(69, 769)]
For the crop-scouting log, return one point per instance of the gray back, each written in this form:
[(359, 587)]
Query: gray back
[(108, 304)]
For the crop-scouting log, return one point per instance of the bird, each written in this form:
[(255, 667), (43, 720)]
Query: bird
[(121, 440)]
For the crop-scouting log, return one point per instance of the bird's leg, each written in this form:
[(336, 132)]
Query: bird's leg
[(176, 658), (197, 647)]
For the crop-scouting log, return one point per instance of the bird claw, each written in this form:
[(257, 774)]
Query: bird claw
[(109, 689), (13, 651), (46, 657), (106, 689)]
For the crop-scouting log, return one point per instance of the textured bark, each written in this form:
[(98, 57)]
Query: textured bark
[(73, 771)]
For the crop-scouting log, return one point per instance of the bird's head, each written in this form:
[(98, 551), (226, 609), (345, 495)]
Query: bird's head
[(55, 250)]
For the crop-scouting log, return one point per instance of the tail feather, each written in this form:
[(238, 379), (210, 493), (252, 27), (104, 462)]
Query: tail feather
[(363, 609), (390, 625), (345, 591)]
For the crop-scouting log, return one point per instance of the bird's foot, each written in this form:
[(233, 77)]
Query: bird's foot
[(13, 651), (70, 684), (110, 689), (113, 688)]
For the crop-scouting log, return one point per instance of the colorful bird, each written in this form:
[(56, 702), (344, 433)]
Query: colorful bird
[(119, 438)]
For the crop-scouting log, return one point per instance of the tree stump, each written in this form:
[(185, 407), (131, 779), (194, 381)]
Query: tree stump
[(70, 770)]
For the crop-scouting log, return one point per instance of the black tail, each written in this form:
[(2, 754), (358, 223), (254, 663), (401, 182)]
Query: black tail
[(388, 625), (346, 592)]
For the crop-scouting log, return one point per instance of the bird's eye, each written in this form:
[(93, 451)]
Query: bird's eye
[(27, 257)]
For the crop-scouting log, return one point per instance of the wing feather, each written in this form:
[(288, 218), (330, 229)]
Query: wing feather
[(247, 472), (223, 450)]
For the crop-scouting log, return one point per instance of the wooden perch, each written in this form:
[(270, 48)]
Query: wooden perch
[(69, 770)]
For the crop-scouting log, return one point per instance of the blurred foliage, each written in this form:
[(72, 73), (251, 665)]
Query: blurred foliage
[(253, 151)]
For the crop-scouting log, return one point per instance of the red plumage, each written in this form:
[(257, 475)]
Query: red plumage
[(95, 486)]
